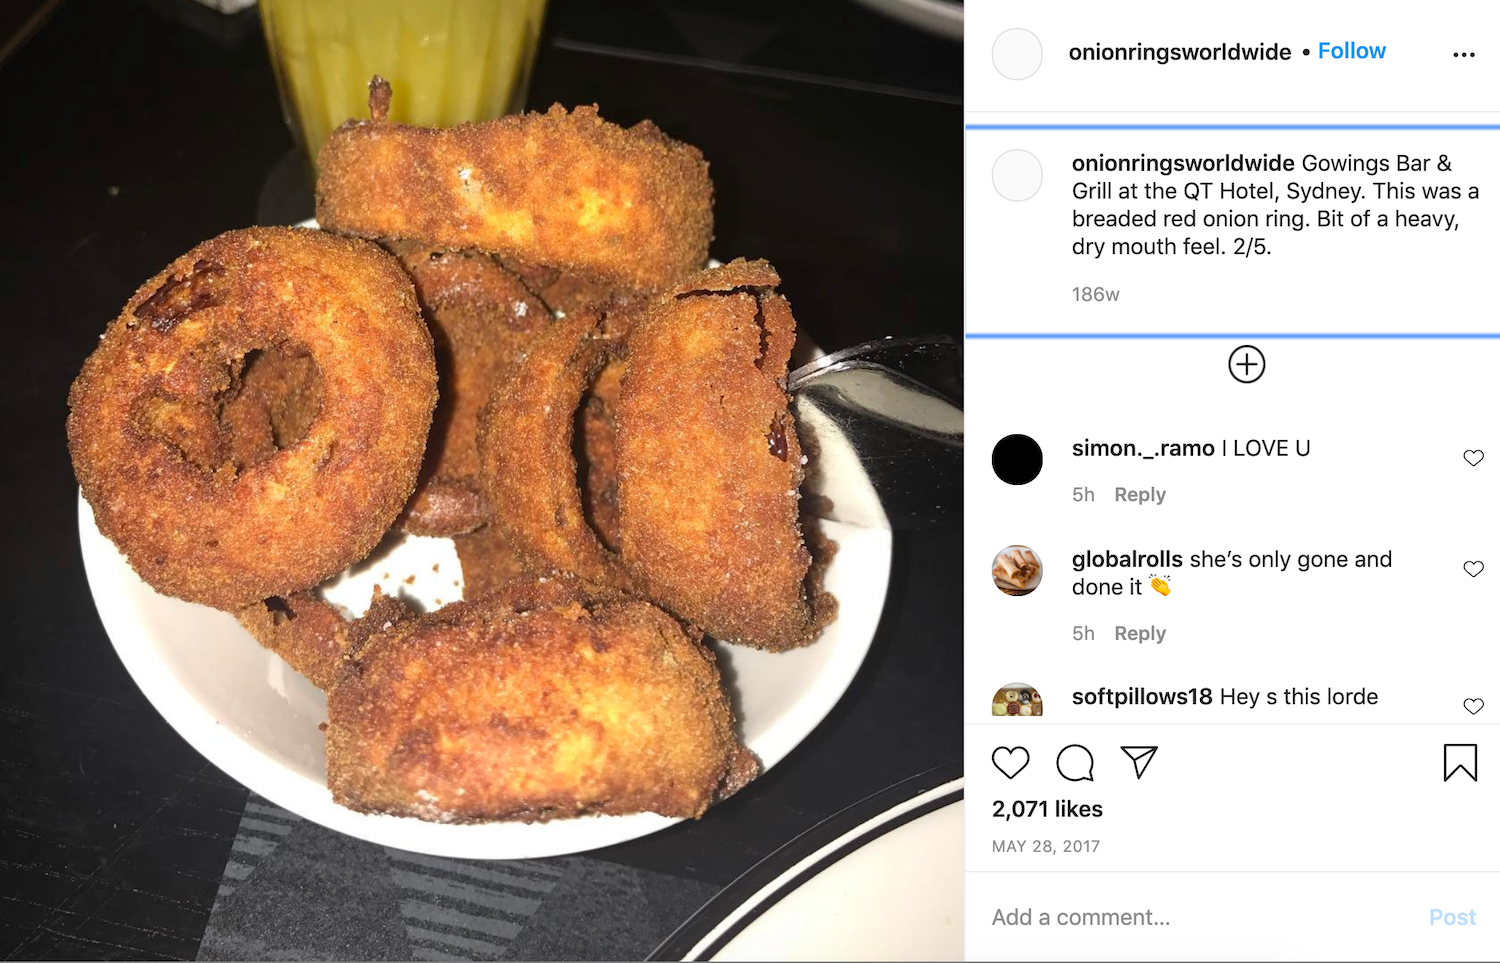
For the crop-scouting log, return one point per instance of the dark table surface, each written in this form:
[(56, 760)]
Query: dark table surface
[(138, 128)]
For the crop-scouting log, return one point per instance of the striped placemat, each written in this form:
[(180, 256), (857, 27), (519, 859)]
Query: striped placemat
[(292, 889)]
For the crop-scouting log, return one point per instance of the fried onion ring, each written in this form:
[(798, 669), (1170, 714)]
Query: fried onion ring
[(551, 699), (208, 510), (312, 636), (482, 317), (526, 452), (709, 461), (631, 208)]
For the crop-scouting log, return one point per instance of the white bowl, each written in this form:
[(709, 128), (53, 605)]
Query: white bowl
[(257, 720)]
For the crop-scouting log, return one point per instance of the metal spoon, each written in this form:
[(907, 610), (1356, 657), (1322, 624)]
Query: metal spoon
[(882, 425)]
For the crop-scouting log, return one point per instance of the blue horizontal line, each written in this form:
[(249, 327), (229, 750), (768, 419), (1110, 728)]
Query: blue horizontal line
[(1247, 336), (1231, 126)]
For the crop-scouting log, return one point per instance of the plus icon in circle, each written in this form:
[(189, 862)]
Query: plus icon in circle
[(1247, 364)]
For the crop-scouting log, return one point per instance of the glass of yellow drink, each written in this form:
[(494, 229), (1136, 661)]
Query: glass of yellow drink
[(448, 61)]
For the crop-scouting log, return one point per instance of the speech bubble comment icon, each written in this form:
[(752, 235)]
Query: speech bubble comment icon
[(1076, 764)]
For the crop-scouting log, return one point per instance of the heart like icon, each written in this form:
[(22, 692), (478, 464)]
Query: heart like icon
[(1473, 568), (1010, 761), (1473, 705), (1473, 456)]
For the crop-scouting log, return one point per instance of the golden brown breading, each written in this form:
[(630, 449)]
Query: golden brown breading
[(445, 507), (482, 317), (487, 560), (274, 400), (312, 636), (569, 294), (551, 700), (709, 461), (526, 452), (632, 209), (564, 293), (157, 463)]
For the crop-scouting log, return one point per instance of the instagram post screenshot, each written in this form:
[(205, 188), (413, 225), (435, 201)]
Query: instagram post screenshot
[(1230, 527), (491, 480), (486, 480)]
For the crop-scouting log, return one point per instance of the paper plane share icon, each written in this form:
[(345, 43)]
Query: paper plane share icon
[(1140, 757)]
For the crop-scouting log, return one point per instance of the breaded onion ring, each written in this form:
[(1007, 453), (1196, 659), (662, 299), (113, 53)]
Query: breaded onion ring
[(526, 452), (226, 521), (312, 636), (709, 461), (630, 208), (547, 700), (482, 317), (487, 560), (490, 563)]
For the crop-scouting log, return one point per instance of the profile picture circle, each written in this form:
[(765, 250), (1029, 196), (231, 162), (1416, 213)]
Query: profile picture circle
[(1016, 459), (1017, 175), (1016, 53), (1017, 570), (1016, 699)]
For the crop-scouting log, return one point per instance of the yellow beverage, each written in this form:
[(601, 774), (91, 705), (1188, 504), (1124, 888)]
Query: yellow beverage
[(448, 61)]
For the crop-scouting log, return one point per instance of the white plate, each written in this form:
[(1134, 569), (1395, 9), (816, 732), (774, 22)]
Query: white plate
[(256, 719), (882, 880)]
